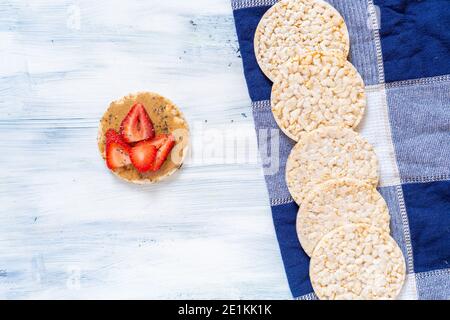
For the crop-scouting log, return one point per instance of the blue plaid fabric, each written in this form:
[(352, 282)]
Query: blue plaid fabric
[(402, 50)]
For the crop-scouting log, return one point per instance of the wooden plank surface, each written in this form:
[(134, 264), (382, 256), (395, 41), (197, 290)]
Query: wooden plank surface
[(68, 228)]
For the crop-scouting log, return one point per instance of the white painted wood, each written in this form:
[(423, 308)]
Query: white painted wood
[(68, 228)]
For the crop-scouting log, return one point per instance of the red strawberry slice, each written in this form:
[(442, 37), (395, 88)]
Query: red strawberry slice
[(137, 125), (165, 143), (159, 140), (143, 155), (117, 150)]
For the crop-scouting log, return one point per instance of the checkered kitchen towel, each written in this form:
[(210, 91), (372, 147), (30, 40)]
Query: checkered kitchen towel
[(402, 50)]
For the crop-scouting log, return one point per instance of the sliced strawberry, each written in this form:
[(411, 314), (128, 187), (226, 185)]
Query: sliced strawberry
[(117, 150), (137, 125), (163, 151), (113, 135), (143, 155), (159, 140)]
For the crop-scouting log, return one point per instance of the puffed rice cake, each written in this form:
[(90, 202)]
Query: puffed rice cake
[(357, 261), (329, 153), (293, 27), (314, 90), (338, 202)]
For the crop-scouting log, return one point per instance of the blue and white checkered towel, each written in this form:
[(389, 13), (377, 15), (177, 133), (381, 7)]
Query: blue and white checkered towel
[(402, 50)]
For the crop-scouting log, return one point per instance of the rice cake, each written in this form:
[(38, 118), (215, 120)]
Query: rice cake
[(357, 261), (314, 90), (293, 27), (329, 153), (166, 117), (338, 202)]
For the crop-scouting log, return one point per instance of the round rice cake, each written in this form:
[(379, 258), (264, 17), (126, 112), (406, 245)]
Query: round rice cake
[(329, 153), (357, 262), (317, 89), (293, 27), (338, 202), (166, 118)]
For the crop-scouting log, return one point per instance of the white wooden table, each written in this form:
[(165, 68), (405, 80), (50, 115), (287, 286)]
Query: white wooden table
[(68, 228)]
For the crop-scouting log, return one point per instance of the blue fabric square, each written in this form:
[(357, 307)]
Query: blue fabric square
[(420, 122), (415, 38), (295, 260), (273, 156), (428, 208), (259, 86), (397, 226), (433, 285)]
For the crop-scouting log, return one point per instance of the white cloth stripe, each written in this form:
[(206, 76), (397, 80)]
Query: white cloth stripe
[(409, 290), (420, 81), (375, 127), (280, 201), (377, 39), (406, 231), (242, 4), (427, 274), (262, 104), (309, 296), (427, 179)]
